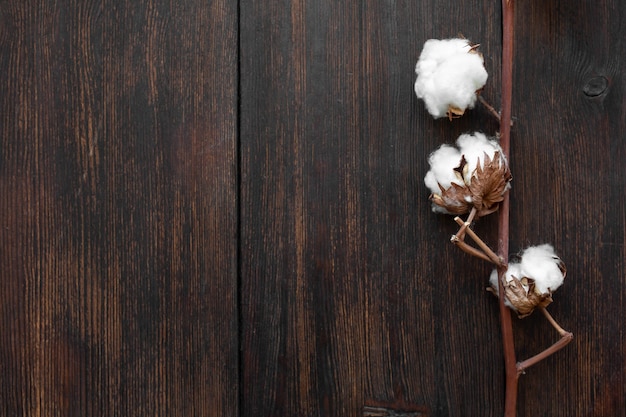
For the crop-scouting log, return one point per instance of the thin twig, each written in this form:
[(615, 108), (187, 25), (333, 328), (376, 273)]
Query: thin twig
[(565, 339), (489, 107), (553, 322), (470, 218), (469, 249), (486, 249)]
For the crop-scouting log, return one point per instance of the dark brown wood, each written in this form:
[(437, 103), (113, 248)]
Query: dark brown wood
[(141, 247), (351, 292), (573, 143), (118, 208)]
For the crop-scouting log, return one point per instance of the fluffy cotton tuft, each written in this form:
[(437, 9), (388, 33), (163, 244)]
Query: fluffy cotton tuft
[(543, 265), (449, 73), (472, 175), (475, 146), (531, 282), (442, 163), (445, 159)]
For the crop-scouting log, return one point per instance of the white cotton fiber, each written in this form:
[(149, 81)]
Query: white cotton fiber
[(446, 158), (449, 73), (539, 263), (442, 163), (543, 265), (537, 275), (475, 146)]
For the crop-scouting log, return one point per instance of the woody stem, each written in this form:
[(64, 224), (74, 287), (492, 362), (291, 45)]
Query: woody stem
[(470, 218), (489, 107), (506, 326), (553, 322), (563, 341), (486, 249), (469, 249)]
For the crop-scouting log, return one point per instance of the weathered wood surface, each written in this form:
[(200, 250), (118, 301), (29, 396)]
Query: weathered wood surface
[(118, 208), (351, 293), (142, 187)]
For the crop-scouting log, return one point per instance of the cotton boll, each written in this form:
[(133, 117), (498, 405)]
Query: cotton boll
[(530, 283), (543, 265), (520, 292), (436, 51), (454, 84), (449, 73), (442, 163), (457, 185)]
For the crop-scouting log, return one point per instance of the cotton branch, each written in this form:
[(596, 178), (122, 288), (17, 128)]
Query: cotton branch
[(508, 344), (474, 177)]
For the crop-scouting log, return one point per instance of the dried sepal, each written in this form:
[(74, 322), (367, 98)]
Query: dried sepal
[(474, 49), (456, 199), (489, 183), (524, 297), (454, 112), (483, 188)]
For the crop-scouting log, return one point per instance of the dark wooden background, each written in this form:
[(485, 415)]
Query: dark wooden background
[(212, 208)]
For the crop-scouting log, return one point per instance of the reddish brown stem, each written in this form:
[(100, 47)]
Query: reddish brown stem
[(553, 322), (489, 107), (510, 362), (470, 218), (469, 249), (481, 244), (565, 339)]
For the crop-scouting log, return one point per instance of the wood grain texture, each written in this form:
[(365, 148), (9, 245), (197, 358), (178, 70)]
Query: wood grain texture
[(351, 292), (348, 294), (128, 215), (571, 137), (118, 208)]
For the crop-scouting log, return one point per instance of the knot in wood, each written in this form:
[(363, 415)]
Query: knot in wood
[(596, 86)]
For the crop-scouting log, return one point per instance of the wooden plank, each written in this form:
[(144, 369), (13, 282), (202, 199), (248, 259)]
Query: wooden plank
[(352, 298), (570, 145), (118, 208)]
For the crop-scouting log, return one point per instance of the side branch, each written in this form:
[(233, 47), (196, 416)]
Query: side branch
[(566, 337), (564, 341), (487, 252)]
